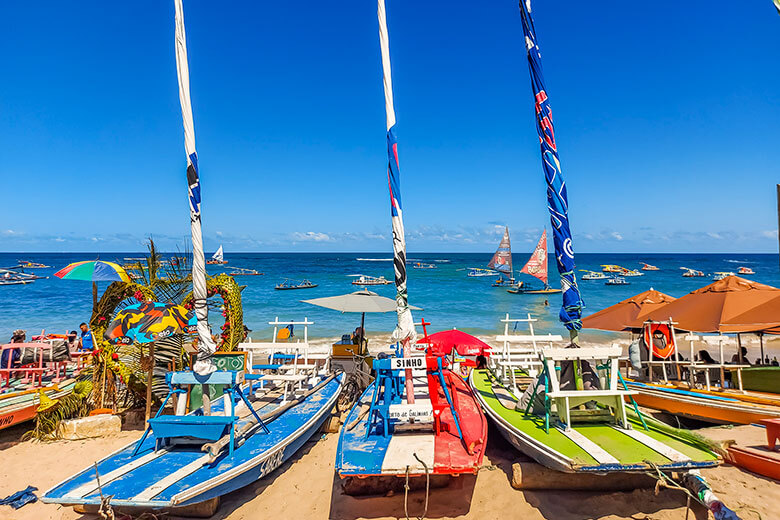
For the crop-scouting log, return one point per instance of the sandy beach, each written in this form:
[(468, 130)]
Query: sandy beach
[(307, 487)]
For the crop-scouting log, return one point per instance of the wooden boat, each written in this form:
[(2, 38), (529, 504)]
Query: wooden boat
[(288, 285), (761, 459), (631, 272), (20, 406), (610, 268), (745, 270), (505, 282), (26, 264), (593, 275), (370, 280), (442, 432), (600, 439), (720, 275), (649, 267), (701, 405), (217, 258), (420, 265), (762, 379), (174, 464), (691, 273), (616, 280)]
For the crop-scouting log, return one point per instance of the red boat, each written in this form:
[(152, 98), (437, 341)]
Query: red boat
[(764, 460)]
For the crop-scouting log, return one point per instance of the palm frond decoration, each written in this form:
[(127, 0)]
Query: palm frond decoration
[(74, 405)]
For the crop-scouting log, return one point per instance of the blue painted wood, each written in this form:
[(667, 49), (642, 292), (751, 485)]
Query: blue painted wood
[(260, 454), (188, 377), (210, 427), (358, 453)]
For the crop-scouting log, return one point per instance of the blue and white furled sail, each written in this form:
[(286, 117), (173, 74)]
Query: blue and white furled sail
[(206, 346), (404, 331), (557, 200)]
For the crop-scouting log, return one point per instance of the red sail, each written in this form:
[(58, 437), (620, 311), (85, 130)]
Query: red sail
[(537, 264), (502, 260)]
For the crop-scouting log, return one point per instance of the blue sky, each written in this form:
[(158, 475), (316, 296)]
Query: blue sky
[(667, 118)]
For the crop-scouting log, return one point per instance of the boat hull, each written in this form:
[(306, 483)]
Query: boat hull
[(19, 407), (151, 479), (761, 379), (558, 450), (716, 409), (756, 459), (443, 454)]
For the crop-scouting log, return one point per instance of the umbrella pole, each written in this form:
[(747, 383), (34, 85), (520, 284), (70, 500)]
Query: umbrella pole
[(761, 340), (362, 332), (149, 382), (94, 298), (739, 350)]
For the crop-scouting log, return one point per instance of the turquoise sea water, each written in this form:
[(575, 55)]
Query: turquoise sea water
[(449, 298)]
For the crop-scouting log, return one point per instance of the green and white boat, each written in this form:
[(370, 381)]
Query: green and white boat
[(582, 430)]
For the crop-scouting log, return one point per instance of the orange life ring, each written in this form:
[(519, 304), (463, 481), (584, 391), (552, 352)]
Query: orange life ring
[(663, 328)]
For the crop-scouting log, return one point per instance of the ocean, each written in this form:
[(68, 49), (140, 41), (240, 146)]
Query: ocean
[(448, 297)]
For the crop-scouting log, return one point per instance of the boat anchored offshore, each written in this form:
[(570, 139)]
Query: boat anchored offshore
[(649, 267), (721, 275), (691, 273), (217, 258), (288, 285), (362, 279), (26, 264), (593, 275), (616, 280), (530, 394), (536, 267), (476, 272), (609, 268), (421, 265), (631, 272), (243, 271), (745, 270)]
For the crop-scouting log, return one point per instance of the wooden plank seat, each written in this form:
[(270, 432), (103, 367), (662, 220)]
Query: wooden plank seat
[(209, 427)]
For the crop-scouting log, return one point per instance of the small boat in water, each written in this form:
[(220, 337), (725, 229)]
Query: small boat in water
[(218, 258), (370, 280), (242, 271), (616, 280), (421, 265), (26, 264), (631, 272), (745, 270), (691, 273), (476, 272), (288, 284), (721, 275), (610, 268), (536, 266), (649, 267), (9, 277), (593, 275)]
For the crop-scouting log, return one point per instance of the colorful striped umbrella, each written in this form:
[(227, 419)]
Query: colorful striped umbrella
[(93, 271), (149, 321)]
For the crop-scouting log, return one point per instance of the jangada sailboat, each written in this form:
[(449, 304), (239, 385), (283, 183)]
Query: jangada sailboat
[(218, 257), (536, 267), (502, 262), (417, 418), (239, 435), (541, 415)]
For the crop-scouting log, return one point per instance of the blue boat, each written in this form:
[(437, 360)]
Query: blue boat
[(187, 459)]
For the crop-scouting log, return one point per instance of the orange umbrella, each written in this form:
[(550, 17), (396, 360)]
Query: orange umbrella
[(706, 309), (764, 318), (628, 314)]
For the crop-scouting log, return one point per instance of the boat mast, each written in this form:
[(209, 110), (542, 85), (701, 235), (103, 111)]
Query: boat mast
[(557, 200), (404, 331), (206, 346)]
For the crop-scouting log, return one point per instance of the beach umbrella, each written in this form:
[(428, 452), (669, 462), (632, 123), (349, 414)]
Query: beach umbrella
[(628, 314), (147, 322), (93, 271), (359, 301), (463, 343), (721, 302)]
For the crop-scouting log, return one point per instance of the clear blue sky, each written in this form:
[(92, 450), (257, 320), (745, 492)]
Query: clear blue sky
[(667, 118)]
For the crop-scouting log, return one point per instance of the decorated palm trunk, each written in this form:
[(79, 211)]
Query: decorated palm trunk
[(557, 200), (404, 331), (206, 346)]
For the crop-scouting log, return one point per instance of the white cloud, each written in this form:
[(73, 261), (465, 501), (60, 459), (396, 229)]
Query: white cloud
[(617, 236), (769, 234), (59, 239), (311, 236), (715, 236), (10, 232)]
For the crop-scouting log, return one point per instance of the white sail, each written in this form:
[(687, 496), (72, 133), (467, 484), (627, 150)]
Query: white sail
[(206, 346), (219, 256)]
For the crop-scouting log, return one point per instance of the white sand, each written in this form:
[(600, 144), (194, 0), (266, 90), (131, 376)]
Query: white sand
[(306, 487)]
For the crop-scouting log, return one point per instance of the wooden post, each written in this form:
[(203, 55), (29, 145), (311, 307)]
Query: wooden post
[(149, 382)]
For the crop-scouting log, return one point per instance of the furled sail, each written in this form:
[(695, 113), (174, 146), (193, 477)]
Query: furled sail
[(537, 264), (557, 200), (404, 331), (502, 259), (206, 346)]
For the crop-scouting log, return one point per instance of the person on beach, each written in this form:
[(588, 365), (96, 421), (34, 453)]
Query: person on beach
[(735, 358), (73, 341), (86, 343)]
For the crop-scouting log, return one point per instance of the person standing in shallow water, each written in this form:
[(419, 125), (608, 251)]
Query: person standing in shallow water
[(86, 343)]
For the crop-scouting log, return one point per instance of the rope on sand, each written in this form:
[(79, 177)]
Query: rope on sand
[(427, 489)]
